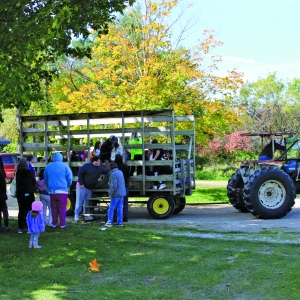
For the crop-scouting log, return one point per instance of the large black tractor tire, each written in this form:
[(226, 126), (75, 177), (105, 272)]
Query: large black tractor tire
[(179, 205), (270, 193), (160, 205), (235, 189), (70, 205)]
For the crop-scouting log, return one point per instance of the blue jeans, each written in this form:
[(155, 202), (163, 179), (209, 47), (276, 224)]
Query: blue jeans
[(34, 237), (45, 199), (115, 203), (82, 195)]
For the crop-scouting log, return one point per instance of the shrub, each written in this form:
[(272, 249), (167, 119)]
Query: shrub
[(218, 172)]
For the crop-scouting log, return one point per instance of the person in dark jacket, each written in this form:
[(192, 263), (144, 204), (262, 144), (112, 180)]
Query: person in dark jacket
[(30, 161), (267, 152), (2, 166), (3, 198), (25, 181), (88, 176), (106, 148), (116, 192), (126, 173)]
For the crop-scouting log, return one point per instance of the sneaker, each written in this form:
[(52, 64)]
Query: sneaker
[(120, 225), (154, 187), (107, 224), (50, 225), (162, 186), (76, 218), (88, 218), (53, 226), (65, 226), (20, 230)]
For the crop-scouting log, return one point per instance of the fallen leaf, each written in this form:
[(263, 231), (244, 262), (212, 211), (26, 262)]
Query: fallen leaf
[(94, 266)]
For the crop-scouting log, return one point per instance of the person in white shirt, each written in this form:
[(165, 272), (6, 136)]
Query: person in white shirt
[(117, 149)]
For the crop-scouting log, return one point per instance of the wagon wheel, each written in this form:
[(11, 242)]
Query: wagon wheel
[(179, 205), (160, 205), (70, 205)]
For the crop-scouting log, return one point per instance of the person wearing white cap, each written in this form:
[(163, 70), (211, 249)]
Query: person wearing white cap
[(117, 149)]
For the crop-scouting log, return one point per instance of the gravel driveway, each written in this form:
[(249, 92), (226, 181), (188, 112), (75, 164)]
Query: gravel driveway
[(216, 217), (221, 217)]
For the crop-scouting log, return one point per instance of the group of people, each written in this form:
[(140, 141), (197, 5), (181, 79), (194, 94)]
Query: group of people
[(55, 179), (88, 176), (53, 184)]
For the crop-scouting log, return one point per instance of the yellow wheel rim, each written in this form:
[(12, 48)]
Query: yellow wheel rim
[(161, 206), (68, 204)]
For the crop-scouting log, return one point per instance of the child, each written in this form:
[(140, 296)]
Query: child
[(45, 199), (35, 224)]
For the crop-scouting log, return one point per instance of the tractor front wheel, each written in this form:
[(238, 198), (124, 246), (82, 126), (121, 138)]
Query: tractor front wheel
[(235, 189)]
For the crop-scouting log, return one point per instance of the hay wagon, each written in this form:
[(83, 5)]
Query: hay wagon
[(77, 132)]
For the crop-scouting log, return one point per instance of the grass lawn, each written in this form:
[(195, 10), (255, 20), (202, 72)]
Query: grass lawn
[(208, 195), (142, 261)]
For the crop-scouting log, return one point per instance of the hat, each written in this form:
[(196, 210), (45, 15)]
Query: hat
[(37, 206), (112, 137), (115, 140)]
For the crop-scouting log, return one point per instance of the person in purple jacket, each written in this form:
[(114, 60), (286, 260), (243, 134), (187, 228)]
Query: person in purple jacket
[(116, 192), (35, 224)]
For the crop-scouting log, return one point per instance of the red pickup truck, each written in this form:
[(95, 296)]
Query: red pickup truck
[(10, 161)]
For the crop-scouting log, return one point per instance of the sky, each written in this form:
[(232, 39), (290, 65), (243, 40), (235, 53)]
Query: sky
[(260, 36)]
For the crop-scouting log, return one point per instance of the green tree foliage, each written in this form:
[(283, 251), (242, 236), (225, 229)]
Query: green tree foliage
[(35, 33), (8, 130), (271, 104)]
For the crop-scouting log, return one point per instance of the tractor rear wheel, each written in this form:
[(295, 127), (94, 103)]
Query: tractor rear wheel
[(235, 189), (270, 193)]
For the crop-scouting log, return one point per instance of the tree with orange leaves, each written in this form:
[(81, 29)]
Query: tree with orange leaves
[(136, 66)]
